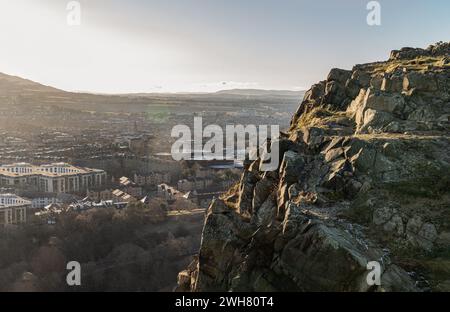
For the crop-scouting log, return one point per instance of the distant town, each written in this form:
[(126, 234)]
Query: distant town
[(58, 157), (91, 178)]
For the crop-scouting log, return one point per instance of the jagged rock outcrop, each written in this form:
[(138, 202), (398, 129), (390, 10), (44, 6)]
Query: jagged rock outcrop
[(364, 176)]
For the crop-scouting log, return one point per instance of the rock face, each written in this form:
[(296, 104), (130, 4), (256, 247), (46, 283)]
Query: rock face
[(364, 176)]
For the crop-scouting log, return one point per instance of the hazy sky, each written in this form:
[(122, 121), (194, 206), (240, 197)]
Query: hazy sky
[(205, 45)]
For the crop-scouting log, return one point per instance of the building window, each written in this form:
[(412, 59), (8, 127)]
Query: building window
[(8, 216), (20, 215)]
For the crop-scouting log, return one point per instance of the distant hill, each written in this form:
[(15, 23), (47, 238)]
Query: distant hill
[(12, 85), (259, 92), (19, 91)]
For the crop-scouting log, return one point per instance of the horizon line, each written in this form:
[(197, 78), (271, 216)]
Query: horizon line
[(143, 93)]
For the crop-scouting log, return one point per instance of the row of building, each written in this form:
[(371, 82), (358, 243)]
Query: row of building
[(51, 178), (15, 209), (27, 189), (42, 186)]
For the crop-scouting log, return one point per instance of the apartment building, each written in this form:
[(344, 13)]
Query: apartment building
[(51, 178), (187, 185), (99, 195), (13, 209), (153, 178)]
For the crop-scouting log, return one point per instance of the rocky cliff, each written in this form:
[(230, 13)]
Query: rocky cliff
[(364, 176)]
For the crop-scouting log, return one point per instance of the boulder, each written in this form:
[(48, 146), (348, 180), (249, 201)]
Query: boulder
[(291, 167), (316, 92), (364, 160), (428, 232), (373, 110), (246, 188), (393, 83), (334, 153), (313, 136), (353, 187), (339, 75), (356, 106), (407, 53), (266, 212), (395, 224), (376, 82), (362, 77), (419, 234), (334, 94), (262, 190), (352, 88), (290, 170), (382, 215), (339, 258), (381, 101), (374, 121), (420, 82)]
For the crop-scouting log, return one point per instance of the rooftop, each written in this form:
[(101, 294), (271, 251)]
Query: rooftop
[(50, 170), (12, 200)]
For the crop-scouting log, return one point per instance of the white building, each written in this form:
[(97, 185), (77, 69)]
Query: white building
[(42, 202), (13, 209), (52, 178)]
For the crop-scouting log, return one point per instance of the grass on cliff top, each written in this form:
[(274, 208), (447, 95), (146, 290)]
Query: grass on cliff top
[(387, 136), (421, 63), (320, 116)]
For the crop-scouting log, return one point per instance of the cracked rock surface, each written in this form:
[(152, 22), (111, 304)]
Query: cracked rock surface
[(364, 176)]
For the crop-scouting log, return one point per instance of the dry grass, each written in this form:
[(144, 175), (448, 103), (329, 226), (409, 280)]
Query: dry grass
[(319, 117), (422, 63)]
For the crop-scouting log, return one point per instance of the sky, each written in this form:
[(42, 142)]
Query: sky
[(134, 46)]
